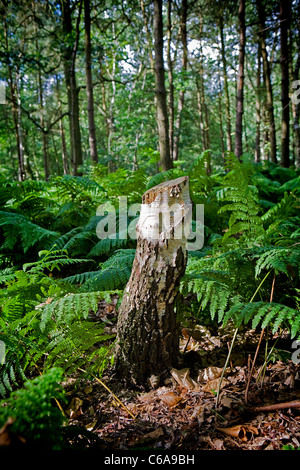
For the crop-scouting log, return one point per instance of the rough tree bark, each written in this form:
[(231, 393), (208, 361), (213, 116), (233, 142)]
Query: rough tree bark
[(183, 33), (257, 105), (69, 58), (267, 79), (147, 330), (170, 76), (285, 100), (89, 82), (240, 84), (296, 107), (160, 89), (227, 101)]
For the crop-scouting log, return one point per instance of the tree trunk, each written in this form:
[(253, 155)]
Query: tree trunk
[(70, 52), (284, 62), (238, 150), (171, 84), (296, 102), (89, 82), (258, 105), (147, 330), (184, 68), (221, 124), (22, 173), (16, 109), (160, 91), (227, 102), (267, 80), (64, 152)]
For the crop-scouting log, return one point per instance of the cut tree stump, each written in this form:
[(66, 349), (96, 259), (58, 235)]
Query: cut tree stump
[(147, 343)]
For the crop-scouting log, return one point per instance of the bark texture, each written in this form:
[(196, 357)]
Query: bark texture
[(227, 101), (267, 80), (89, 82), (160, 89), (240, 84), (285, 100), (147, 332), (69, 58)]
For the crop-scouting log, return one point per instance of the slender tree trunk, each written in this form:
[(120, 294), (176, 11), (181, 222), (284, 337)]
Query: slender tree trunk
[(201, 113), (22, 173), (16, 109), (171, 84), (227, 101), (257, 105), (267, 80), (71, 85), (184, 7), (221, 123), (240, 83), (44, 136), (89, 82), (64, 153), (41, 103), (296, 102), (201, 94), (284, 61), (160, 91), (147, 329)]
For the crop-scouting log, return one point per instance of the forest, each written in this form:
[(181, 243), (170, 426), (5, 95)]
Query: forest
[(119, 335)]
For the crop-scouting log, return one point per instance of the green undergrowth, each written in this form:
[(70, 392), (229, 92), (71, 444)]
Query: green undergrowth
[(55, 270)]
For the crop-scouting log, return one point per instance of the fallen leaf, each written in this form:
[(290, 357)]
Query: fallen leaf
[(88, 389), (226, 401), (170, 398), (210, 373), (213, 385), (183, 378), (74, 409), (198, 413), (90, 426), (147, 397), (240, 431), (218, 444)]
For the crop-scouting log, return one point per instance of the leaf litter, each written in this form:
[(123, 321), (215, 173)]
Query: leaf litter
[(181, 413)]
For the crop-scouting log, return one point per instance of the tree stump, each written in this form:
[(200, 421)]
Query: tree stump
[(147, 331)]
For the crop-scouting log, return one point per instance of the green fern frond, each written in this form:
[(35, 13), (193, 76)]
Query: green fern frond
[(265, 314), (69, 308), (286, 207), (281, 259), (114, 273), (163, 176), (107, 245), (29, 233), (70, 348)]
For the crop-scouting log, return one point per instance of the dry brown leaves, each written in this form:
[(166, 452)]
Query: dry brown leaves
[(182, 413)]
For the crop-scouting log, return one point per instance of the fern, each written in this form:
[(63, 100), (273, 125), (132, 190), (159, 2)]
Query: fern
[(18, 228), (265, 314), (163, 176), (51, 260), (55, 332), (286, 207), (281, 259), (75, 345), (71, 308), (114, 273), (241, 200)]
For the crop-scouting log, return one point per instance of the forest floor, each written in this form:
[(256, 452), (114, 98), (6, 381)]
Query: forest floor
[(182, 414)]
